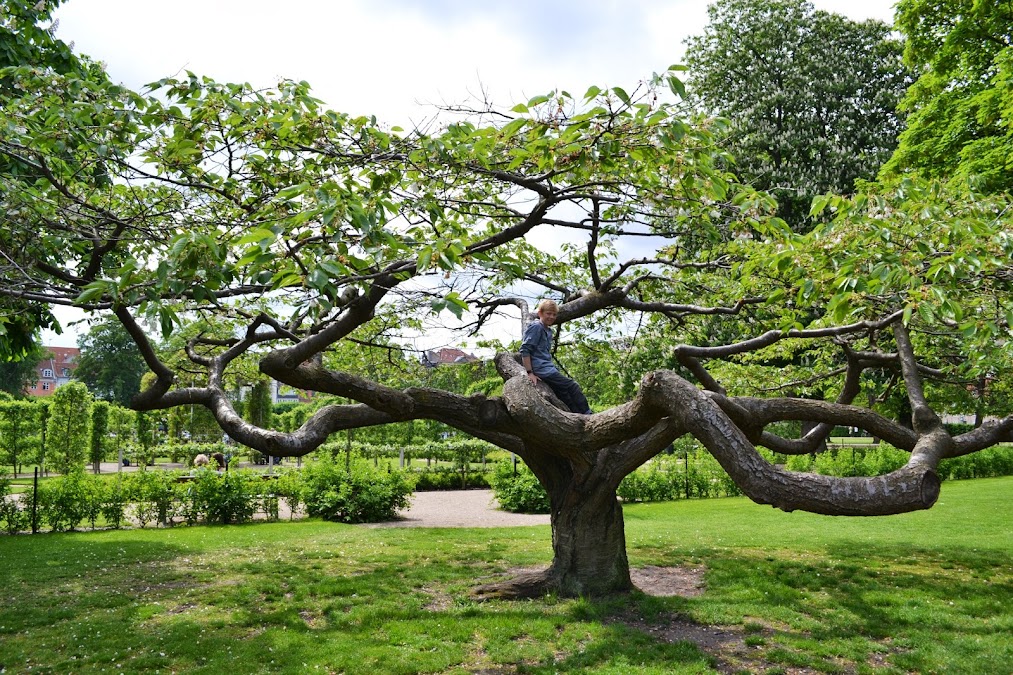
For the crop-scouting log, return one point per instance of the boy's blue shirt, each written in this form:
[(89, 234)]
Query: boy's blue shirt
[(537, 344)]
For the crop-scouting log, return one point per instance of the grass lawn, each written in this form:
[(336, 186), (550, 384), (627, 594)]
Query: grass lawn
[(929, 592)]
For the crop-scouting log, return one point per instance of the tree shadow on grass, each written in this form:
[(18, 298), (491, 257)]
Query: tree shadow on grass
[(927, 609), (146, 603), (142, 602)]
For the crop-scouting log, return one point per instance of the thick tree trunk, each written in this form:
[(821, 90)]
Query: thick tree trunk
[(588, 545), (580, 460), (589, 542)]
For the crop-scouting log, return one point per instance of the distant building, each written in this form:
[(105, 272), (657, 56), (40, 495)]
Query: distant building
[(55, 370), (446, 356), (282, 393)]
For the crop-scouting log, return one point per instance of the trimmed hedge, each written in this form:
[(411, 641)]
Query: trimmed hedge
[(876, 460), (457, 451), (430, 479), (696, 474), (208, 496)]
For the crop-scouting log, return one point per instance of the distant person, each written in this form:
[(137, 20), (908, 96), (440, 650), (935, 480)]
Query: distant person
[(219, 459), (200, 460), (536, 356)]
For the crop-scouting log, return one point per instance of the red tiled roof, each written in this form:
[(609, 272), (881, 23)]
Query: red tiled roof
[(58, 360)]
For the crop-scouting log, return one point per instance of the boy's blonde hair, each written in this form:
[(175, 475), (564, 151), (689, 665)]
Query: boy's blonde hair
[(547, 304)]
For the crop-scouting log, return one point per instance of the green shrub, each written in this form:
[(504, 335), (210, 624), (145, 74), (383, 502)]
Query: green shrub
[(427, 479), (153, 494), (651, 485), (363, 495), (220, 497), (518, 491), (230, 497), (13, 517), (115, 499), (799, 463), (63, 501), (883, 459), (958, 428), (991, 462), (690, 472), (94, 493), (290, 487)]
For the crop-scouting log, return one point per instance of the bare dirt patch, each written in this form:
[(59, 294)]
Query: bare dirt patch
[(725, 644), (685, 582)]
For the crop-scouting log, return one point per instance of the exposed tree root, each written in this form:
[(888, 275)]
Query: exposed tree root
[(525, 585)]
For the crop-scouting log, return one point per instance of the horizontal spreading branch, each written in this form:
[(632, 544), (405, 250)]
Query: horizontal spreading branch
[(913, 487)]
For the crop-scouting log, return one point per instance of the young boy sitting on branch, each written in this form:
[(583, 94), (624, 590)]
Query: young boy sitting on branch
[(537, 360)]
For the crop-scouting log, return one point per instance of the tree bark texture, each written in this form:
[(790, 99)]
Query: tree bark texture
[(588, 546)]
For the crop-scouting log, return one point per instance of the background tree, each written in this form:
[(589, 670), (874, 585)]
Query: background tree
[(144, 431), (122, 428), (45, 412), (258, 403), (111, 365), (20, 373), (810, 96), (27, 36), (192, 424), (231, 195), (19, 432), (69, 428), (959, 123), (97, 448)]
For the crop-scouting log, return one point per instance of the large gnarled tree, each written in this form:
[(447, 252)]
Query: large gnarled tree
[(304, 225)]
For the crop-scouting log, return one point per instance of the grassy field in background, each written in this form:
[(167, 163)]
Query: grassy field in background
[(923, 592)]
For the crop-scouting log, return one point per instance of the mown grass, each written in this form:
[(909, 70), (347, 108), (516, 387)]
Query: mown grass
[(924, 592)]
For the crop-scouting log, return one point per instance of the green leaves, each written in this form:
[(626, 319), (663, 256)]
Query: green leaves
[(451, 301), (819, 204), (956, 128), (676, 86)]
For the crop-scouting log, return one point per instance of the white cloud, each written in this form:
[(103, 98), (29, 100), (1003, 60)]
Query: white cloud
[(392, 57)]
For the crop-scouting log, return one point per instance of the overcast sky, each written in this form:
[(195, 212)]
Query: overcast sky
[(397, 59)]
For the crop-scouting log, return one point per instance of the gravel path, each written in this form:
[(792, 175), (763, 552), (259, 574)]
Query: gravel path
[(460, 508)]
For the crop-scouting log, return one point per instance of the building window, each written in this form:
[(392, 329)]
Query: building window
[(45, 386), (47, 372), (66, 372)]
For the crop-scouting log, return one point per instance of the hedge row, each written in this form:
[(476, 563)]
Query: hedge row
[(517, 490), (672, 477), (882, 458), (430, 479), (466, 450), (322, 489)]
